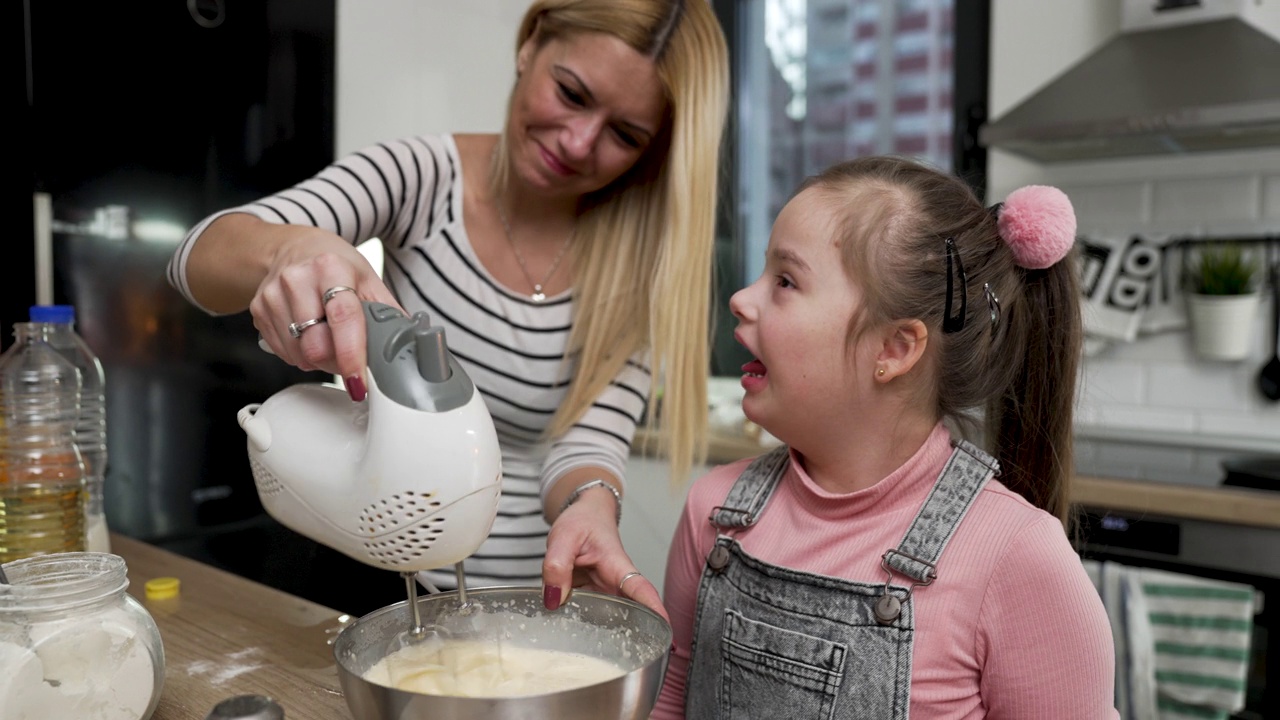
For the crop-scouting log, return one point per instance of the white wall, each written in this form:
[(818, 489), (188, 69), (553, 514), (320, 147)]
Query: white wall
[(1154, 384), (407, 67)]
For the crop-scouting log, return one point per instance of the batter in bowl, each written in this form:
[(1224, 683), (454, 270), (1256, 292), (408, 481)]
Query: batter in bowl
[(484, 668)]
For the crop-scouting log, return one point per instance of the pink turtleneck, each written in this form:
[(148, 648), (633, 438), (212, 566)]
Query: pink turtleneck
[(1012, 627)]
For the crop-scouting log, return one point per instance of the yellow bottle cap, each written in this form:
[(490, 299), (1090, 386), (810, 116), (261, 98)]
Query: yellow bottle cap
[(162, 588)]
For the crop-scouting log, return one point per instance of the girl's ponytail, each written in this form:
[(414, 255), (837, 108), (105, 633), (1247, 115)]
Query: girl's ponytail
[(1030, 424)]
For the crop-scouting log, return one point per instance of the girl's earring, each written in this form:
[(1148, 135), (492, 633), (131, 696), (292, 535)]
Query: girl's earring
[(879, 372)]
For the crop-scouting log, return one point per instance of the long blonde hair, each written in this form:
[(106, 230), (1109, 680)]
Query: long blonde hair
[(644, 245)]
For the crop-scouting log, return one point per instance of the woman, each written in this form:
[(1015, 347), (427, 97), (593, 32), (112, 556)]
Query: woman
[(568, 258)]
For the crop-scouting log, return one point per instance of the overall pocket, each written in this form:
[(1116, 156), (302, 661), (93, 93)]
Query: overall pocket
[(771, 672)]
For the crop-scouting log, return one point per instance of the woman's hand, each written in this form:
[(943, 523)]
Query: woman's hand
[(308, 262), (584, 549)]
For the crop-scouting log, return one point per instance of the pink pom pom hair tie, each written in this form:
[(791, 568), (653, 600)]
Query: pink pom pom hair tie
[(1039, 225)]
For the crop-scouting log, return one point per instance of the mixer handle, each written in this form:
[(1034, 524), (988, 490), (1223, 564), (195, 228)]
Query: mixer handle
[(433, 355), (410, 362)]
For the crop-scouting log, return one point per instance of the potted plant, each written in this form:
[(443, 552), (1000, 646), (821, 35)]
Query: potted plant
[(1222, 300)]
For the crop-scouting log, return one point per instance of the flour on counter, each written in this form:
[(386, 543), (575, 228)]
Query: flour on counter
[(221, 672), (79, 669)]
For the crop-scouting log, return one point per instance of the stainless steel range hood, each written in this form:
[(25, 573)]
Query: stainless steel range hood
[(1206, 86)]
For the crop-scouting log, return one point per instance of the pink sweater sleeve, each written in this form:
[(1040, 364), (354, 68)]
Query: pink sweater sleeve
[(1031, 668), (693, 539)]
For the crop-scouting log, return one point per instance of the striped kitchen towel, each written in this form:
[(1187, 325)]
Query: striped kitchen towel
[(1182, 641)]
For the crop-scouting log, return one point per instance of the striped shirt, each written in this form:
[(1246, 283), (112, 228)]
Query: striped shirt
[(408, 195)]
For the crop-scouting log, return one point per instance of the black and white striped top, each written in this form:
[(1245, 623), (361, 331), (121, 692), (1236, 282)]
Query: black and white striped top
[(408, 194)]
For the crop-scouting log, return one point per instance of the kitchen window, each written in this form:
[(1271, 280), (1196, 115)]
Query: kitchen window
[(820, 81)]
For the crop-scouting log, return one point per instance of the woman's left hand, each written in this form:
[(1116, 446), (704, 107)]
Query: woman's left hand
[(584, 549)]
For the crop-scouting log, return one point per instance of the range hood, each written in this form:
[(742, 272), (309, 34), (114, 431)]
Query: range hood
[(1182, 77)]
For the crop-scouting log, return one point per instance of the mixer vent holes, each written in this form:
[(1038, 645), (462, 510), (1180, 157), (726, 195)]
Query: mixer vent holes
[(401, 509), (267, 483), (405, 547)]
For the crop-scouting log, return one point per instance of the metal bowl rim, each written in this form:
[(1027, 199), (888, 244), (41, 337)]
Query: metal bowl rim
[(338, 643)]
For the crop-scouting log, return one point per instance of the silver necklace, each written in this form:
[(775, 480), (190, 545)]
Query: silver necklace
[(538, 295)]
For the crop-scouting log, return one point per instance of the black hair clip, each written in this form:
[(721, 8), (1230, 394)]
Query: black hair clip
[(954, 323)]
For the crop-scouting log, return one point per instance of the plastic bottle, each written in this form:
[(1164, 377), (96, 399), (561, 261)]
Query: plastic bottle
[(42, 486), (57, 327)]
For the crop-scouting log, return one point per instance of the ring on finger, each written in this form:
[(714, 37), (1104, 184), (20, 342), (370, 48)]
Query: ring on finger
[(328, 294), (625, 578), (295, 329)]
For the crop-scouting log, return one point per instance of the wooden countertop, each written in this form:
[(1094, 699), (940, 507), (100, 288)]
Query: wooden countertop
[(225, 636), (1241, 506)]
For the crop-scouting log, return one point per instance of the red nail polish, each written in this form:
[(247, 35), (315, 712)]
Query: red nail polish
[(551, 597), (356, 388)]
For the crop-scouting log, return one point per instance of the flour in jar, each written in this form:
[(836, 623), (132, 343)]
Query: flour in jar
[(78, 669), (469, 668)]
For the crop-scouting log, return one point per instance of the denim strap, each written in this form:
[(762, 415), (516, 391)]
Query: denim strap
[(962, 478), (752, 490)]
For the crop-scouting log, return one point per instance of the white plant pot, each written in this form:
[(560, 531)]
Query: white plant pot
[(1222, 326)]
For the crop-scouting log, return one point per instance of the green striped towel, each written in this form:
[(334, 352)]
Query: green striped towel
[(1182, 642)]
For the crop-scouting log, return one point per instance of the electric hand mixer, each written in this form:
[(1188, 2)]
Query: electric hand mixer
[(407, 480)]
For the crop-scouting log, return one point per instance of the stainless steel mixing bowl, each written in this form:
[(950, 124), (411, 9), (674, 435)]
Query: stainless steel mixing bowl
[(592, 624)]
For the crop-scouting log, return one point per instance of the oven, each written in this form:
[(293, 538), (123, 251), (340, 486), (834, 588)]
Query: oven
[(1217, 550)]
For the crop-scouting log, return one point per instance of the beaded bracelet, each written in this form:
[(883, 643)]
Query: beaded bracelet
[(577, 492)]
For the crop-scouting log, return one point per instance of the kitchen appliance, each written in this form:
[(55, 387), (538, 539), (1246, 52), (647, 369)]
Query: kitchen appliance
[(407, 480), (1181, 76), (593, 624), (1228, 551)]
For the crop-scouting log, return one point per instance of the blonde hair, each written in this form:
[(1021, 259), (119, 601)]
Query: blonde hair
[(644, 245)]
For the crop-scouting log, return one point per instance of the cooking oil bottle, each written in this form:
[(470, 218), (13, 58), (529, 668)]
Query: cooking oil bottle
[(42, 478), (56, 324)]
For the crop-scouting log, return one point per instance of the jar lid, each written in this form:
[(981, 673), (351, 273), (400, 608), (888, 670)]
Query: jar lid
[(162, 588)]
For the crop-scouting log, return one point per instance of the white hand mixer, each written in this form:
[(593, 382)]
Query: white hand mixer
[(406, 481)]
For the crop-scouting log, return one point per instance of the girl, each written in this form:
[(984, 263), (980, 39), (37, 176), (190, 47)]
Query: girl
[(875, 566), (568, 258)]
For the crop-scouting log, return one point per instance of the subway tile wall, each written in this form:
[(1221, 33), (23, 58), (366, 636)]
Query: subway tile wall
[(1156, 384)]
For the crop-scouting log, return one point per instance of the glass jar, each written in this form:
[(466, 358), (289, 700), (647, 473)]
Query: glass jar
[(73, 644)]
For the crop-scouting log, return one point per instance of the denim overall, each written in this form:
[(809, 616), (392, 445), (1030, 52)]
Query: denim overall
[(771, 642)]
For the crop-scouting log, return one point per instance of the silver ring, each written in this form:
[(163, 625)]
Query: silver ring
[(295, 329), (328, 294), (625, 578)]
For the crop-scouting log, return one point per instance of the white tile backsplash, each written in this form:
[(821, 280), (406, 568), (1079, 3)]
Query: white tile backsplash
[(1156, 383), (1113, 383), (1203, 202), (1263, 424), (1271, 199), (1189, 387), (1110, 205), (1145, 418)]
